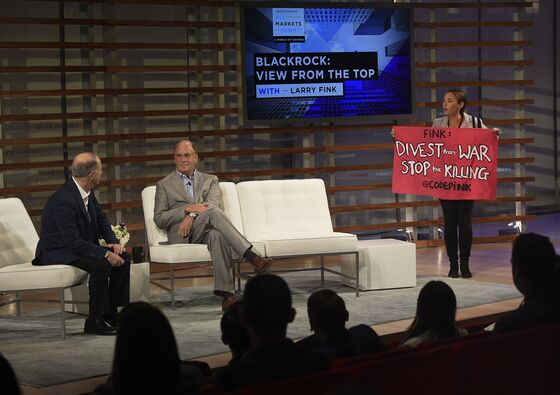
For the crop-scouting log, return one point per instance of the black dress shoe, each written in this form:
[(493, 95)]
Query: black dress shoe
[(98, 326), (112, 319)]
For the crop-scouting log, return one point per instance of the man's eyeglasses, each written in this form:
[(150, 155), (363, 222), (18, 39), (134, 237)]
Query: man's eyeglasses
[(185, 156)]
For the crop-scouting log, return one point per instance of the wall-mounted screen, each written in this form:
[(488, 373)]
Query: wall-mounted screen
[(322, 61)]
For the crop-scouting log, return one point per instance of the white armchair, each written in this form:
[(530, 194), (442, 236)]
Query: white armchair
[(18, 240), (174, 254)]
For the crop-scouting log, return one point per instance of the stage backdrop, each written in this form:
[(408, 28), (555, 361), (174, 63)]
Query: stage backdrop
[(128, 78), (446, 163)]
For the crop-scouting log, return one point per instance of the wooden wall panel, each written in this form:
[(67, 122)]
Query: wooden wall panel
[(128, 78)]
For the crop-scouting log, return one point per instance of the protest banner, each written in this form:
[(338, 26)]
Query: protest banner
[(446, 163)]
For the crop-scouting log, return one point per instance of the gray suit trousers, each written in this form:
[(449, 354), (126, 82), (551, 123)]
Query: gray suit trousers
[(215, 230)]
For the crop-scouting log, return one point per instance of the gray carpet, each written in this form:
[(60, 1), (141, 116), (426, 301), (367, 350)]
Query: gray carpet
[(41, 359)]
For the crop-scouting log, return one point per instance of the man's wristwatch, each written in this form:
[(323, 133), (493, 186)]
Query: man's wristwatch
[(193, 215)]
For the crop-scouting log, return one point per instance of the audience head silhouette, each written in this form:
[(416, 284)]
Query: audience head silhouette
[(533, 264), (327, 313), (234, 334), (268, 308), (435, 311), (146, 359), (9, 380)]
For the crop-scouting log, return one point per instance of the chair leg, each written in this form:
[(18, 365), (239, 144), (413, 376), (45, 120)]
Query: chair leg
[(172, 280), (357, 255), (233, 267), (322, 271), (18, 306), (239, 276), (62, 313)]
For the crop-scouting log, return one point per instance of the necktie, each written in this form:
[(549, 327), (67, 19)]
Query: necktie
[(87, 209), (190, 191)]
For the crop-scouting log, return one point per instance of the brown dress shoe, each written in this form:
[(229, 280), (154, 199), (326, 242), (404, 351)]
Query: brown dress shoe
[(226, 302), (262, 265)]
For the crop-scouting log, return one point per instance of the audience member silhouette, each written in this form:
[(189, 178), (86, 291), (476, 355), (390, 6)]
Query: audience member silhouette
[(266, 313), (146, 360), (535, 274), (234, 334), (327, 318), (9, 382), (435, 316)]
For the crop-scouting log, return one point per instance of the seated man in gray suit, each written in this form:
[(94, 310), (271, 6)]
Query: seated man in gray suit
[(187, 206)]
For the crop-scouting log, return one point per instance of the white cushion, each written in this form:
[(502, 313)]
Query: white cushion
[(278, 245), (291, 217), (179, 253), (284, 206), (18, 237), (384, 263), (231, 206), (155, 234), (25, 276), (18, 241)]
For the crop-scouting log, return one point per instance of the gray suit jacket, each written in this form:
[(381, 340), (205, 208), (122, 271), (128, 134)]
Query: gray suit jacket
[(171, 199)]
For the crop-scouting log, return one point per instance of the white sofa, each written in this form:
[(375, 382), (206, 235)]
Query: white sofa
[(18, 240), (281, 218), (292, 219)]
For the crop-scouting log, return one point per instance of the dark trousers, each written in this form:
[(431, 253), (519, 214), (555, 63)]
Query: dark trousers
[(457, 214), (109, 287)]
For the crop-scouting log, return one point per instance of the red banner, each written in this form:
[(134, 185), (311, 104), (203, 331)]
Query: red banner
[(446, 163)]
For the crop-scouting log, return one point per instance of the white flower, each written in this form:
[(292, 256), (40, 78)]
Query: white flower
[(121, 233)]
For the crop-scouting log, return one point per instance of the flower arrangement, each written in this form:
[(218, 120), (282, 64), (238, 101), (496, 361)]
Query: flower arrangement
[(121, 233)]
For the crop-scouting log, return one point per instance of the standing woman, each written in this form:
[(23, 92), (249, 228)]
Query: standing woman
[(458, 213)]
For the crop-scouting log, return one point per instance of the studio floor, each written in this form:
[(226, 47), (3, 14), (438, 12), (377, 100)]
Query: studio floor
[(489, 263)]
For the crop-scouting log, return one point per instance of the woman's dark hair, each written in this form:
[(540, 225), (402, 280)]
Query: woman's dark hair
[(461, 98), (146, 360), (435, 311)]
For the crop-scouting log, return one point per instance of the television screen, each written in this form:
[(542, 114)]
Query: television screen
[(326, 62)]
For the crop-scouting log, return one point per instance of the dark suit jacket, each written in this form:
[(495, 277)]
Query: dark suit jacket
[(66, 232)]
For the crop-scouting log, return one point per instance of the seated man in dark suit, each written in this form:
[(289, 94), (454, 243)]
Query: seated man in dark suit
[(533, 266), (272, 356), (71, 227), (327, 318)]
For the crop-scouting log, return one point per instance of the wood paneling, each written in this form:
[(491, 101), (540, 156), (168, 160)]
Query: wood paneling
[(118, 92), (449, 44), (452, 84), (114, 95)]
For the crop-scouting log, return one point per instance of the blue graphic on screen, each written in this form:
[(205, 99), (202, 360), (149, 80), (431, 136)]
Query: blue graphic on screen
[(327, 62)]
